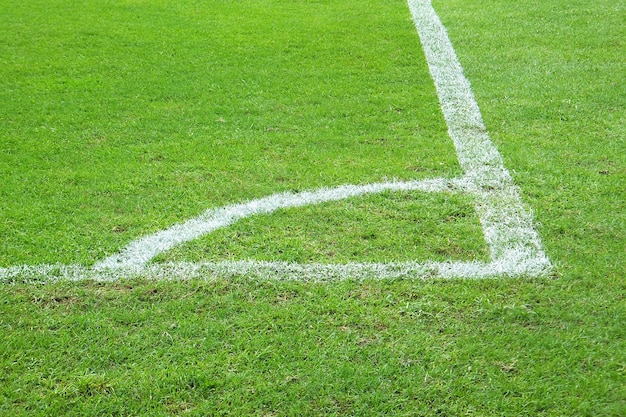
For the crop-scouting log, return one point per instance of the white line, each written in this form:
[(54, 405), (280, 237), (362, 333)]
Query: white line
[(262, 270), (141, 251), (514, 244), (507, 224)]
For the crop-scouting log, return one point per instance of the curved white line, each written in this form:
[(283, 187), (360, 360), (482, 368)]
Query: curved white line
[(141, 251)]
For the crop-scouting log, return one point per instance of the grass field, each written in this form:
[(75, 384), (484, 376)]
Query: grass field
[(121, 118)]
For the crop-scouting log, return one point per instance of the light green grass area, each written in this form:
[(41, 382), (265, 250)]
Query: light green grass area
[(122, 118), (119, 118)]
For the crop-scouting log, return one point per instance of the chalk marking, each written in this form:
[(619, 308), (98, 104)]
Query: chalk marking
[(141, 251), (278, 271), (507, 224), (515, 246)]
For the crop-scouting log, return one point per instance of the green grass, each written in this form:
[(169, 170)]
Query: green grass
[(120, 118), (491, 347), (390, 227)]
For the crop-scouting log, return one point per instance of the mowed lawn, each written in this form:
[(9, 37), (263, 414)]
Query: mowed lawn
[(120, 118)]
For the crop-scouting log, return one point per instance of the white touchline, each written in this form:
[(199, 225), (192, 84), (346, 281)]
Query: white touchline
[(515, 247), (507, 224)]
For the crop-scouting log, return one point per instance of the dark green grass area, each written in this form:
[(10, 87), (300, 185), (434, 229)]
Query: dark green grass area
[(494, 347), (120, 118), (549, 79), (389, 227)]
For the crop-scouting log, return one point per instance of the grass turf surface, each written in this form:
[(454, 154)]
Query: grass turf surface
[(123, 118), (547, 77)]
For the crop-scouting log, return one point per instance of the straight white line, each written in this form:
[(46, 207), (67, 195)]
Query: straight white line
[(270, 271), (507, 224)]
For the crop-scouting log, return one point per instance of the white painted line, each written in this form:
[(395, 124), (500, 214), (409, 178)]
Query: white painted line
[(141, 251), (262, 270), (514, 244), (507, 224)]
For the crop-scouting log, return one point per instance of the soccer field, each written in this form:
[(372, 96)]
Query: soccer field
[(222, 145)]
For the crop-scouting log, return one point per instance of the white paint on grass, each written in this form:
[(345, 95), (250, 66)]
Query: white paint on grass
[(515, 247), (263, 270), (141, 251), (507, 224)]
